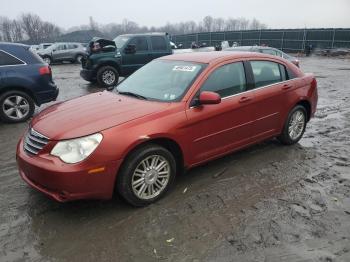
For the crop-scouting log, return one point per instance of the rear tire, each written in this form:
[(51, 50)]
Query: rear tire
[(78, 59), (47, 60), (294, 126), (146, 175), (16, 106), (107, 76)]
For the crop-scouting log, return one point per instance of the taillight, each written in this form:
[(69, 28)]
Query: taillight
[(45, 70)]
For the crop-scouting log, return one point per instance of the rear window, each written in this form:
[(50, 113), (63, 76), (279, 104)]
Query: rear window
[(8, 60), (158, 43)]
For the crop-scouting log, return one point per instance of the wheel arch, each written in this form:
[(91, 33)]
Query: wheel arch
[(22, 89), (307, 105), (170, 144), (108, 63)]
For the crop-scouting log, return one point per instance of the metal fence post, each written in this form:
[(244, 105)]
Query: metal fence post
[(304, 38), (333, 38), (260, 37), (282, 40)]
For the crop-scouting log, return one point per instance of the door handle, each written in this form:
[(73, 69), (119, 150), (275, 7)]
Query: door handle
[(286, 87), (245, 99)]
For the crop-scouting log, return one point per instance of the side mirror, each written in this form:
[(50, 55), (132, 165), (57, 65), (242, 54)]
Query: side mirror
[(209, 98), (108, 48), (130, 49)]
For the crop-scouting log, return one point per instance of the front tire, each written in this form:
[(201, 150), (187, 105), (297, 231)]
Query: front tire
[(16, 106), (294, 127), (107, 76), (146, 175)]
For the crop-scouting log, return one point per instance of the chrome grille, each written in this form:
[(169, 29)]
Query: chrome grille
[(34, 142)]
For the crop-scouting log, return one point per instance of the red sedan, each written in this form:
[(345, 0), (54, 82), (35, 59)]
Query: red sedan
[(175, 113)]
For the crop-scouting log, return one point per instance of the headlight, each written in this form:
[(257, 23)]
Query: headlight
[(75, 150)]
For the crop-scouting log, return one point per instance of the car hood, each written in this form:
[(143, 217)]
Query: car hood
[(90, 114)]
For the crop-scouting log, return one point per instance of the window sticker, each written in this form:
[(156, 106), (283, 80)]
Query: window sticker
[(184, 68)]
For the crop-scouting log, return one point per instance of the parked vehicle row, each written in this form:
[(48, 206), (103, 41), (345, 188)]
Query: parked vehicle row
[(174, 113), (25, 81)]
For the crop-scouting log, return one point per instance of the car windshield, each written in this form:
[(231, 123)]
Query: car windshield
[(288, 57), (120, 41), (161, 80)]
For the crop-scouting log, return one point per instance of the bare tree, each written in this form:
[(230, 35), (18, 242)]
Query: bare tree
[(93, 24), (208, 23), (6, 29), (16, 31)]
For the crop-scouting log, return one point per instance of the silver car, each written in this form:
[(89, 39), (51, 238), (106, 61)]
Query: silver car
[(59, 52), (266, 50)]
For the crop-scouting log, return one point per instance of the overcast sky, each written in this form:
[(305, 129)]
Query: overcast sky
[(274, 13)]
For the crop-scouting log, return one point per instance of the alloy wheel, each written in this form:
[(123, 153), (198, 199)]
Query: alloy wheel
[(296, 125), (150, 177), (108, 77), (16, 107)]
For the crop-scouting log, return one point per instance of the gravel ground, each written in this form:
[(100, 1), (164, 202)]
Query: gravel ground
[(266, 203)]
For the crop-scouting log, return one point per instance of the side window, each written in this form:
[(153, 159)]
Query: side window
[(72, 46), (226, 80), (269, 51), (283, 72), (290, 74), (266, 73), (60, 47), (158, 43), (6, 59), (140, 43)]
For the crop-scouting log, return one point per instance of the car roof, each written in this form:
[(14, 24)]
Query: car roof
[(145, 34), (215, 56), (8, 45)]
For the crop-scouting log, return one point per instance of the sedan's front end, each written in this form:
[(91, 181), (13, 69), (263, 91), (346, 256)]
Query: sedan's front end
[(62, 169)]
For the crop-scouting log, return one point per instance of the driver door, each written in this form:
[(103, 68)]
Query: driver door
[(133, 61), (217, 129)]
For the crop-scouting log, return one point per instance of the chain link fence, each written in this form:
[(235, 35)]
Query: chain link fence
[(289, 40)]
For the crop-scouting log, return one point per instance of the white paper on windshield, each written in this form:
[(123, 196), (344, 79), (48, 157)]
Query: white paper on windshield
[(184, 68)]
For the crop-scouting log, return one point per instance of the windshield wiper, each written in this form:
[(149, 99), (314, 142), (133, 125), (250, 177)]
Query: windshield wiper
[(132, 94)]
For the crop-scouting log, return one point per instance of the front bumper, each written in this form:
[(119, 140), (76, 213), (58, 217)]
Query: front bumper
[(88, 74), (64, 182)]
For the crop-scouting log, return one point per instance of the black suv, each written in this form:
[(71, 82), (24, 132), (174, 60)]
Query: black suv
[(25, 80)]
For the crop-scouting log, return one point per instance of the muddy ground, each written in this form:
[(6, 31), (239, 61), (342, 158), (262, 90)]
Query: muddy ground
[(266, 203)]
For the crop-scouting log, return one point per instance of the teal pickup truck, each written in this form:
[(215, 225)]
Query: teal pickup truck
[(108, 60)]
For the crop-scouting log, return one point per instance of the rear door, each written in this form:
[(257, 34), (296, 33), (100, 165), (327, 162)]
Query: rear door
[(160, 46), (216, 129), (270, 97), (132, 62)]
